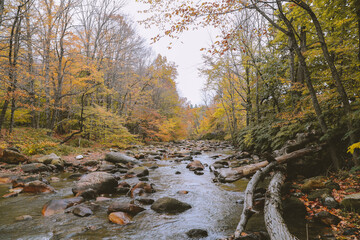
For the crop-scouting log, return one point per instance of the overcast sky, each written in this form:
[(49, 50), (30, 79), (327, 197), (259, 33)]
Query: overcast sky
[(185, 52)]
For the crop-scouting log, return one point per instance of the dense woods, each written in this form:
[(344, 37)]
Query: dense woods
[(276, 69), (79, 68)]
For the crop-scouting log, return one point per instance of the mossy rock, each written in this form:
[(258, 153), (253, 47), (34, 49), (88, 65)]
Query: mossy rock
[(351, 202)]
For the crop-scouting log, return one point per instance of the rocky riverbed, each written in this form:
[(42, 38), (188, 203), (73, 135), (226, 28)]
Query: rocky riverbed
[(163, 191)]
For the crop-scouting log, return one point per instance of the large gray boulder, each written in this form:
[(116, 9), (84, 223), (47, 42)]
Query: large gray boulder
[(51, 159), (116, 157), (351, 202), (101, 182), (169, 205)]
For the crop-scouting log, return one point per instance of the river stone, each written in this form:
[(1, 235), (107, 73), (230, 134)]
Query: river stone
[(116, 157), (49, 159), (351, 202), (101, 182), (169, 205), (320, 194), (120, 218), (197, 233), (13, 157), (129, 208), (87, 194), (225, 175), (57, 206), (145, 201), (195, 166), (140, 188), (139, 171), (313, 183), (23, 218), (37, 187), (82, 211), (34, 168)]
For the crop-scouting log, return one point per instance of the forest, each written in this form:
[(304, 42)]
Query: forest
[(282, 96)]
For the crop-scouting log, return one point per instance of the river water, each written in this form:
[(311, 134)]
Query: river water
[(214, 209)]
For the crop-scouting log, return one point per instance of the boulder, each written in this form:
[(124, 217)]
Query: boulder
[(330, 202), (116, 157), (129, 208), (320, 194), (139, 171), (120, 218), (145, 201), (169, 205), (327, 218), (313, 183), (197, 233), (87, 194), (13, 157), (195, 166), (57, 206), (82, 211), (351, 202), (34, 168), (20, 181), (101, 182), (37, 187), (51, 159)]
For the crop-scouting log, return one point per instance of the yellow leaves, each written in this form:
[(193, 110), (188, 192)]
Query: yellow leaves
[(352, 148)]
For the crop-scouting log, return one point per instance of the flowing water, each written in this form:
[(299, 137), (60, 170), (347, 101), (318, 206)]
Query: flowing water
[(214, 209)]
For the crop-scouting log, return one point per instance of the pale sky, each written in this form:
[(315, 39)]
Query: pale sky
[(185, 53)]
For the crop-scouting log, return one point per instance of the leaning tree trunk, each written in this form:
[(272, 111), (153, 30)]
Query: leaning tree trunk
[(274, 221), (248, 210)]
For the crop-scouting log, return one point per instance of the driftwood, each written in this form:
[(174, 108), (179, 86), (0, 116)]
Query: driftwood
[(248, 170), (274, 221), (248, 210)]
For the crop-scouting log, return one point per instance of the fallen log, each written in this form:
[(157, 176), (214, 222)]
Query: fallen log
[(234, 174), (274, 221), (248, 210)]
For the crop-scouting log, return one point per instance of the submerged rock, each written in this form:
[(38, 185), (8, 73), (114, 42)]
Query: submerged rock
[(197, 233), (57, 206), (141, 188), (169, 205), (120, 218), (101, 182)]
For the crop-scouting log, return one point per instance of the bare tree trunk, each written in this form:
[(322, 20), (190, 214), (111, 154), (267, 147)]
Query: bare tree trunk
[(248, 210), (274, 221)]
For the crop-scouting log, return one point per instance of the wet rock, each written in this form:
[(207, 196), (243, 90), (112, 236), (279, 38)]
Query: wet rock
[(13, 157), (195, 165), (120, 218), (198, 172), (154, 167), (116, 157), (123, 188), (169, 205), (187, 158), (140, 188), (57, 206), (195, 152), (34, 168), (177, 172), (327, 218), (23, 218), (225, 175), (145, 201), (37, 187), (54, 179), (197, 233), (144, 179), (11, 194), (129, 208), (351, 202), (107, 168), (182, 192), (319, 194), (82, 211), (313, 183), (48, 159), (87, 194), (101, 182), (139, 171), (20, 181)]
